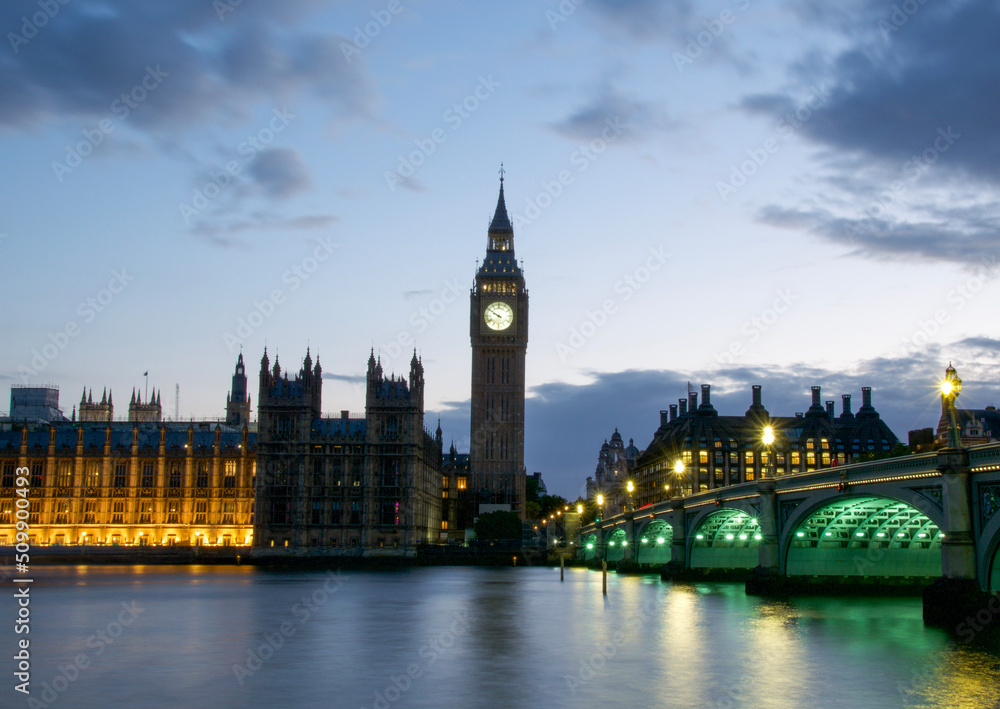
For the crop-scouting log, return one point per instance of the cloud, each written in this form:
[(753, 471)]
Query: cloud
[(909, 143), (957, 240), (280, 172), (89, 54), (613, 116), (645, 19), (349, 378), (261, 222)]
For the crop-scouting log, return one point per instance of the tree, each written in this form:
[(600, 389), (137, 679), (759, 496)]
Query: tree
[(499, 525), (551, 504)]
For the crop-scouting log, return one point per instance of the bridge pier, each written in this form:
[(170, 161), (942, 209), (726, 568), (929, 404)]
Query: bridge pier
[(677, 567), (766, 578), (957, 596)]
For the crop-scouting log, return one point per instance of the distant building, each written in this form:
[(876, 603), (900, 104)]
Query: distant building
[(369, 485), (458, 509), (35, 404), (717, 451), (615, 466)]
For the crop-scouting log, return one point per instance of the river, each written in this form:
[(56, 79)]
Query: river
[(463, 638)]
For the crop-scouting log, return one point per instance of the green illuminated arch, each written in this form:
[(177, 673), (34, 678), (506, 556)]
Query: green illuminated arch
[(865, 536), (727, 539), (616, 547), (654, 543), (589, 546)]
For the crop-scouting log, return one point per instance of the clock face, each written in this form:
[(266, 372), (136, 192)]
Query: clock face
[(498, 315)]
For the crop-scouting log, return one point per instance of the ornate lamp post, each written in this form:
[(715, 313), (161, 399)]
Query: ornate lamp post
[(630, 488), (951, 387)]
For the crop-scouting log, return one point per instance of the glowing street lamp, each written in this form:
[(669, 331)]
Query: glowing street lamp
[(768, 439), (679, 469), (579, 509)]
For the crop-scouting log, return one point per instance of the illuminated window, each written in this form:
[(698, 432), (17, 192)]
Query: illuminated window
[(444, 524), (201, 481), (795, 458), (703, 457), (64, 474), (748, 456), (461, 482), (445, 482), (62, 512), (229, 481), (147, 475)]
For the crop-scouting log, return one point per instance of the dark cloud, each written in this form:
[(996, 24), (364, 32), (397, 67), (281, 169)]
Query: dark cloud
[(280, 172), (645, 19), (969, 242), (261, 222), (909, 118), (566, 423), (613, 116), (349, 378), (91, 53)]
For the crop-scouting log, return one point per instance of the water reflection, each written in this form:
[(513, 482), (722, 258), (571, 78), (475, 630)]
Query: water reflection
[(466, 637)]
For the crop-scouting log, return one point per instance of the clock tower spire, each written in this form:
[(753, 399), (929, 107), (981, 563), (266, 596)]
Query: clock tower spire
[(498, 328)]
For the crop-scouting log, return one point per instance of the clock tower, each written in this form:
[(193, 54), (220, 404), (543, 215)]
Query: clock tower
[(498, 327)]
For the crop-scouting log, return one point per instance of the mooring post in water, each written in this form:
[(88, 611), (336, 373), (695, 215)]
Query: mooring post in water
[(237, 559), (604, 576), (562, 565)]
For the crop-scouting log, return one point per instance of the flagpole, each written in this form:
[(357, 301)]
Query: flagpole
[(146, 375)]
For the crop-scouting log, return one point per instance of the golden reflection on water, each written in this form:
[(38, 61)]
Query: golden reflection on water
[(964, 678)]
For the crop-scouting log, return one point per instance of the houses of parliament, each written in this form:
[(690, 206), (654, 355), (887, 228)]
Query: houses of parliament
[(294, 479)]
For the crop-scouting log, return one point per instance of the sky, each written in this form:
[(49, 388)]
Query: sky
[(793, 193)]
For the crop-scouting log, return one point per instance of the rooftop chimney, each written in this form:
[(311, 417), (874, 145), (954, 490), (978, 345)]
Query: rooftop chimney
[(692, 400), (673, 411), (664, 418), (683, 404), (847, 405), (829, 409)]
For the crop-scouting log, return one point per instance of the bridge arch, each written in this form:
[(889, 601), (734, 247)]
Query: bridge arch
[(616, 547), (863, 536), (653, 543), (589, 547), (726, 539), (989, 545)]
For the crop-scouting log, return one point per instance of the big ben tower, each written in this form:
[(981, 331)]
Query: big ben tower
[(498, 327)]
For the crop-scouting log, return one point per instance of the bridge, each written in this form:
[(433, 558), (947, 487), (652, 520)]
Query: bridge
[(922, 516)]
